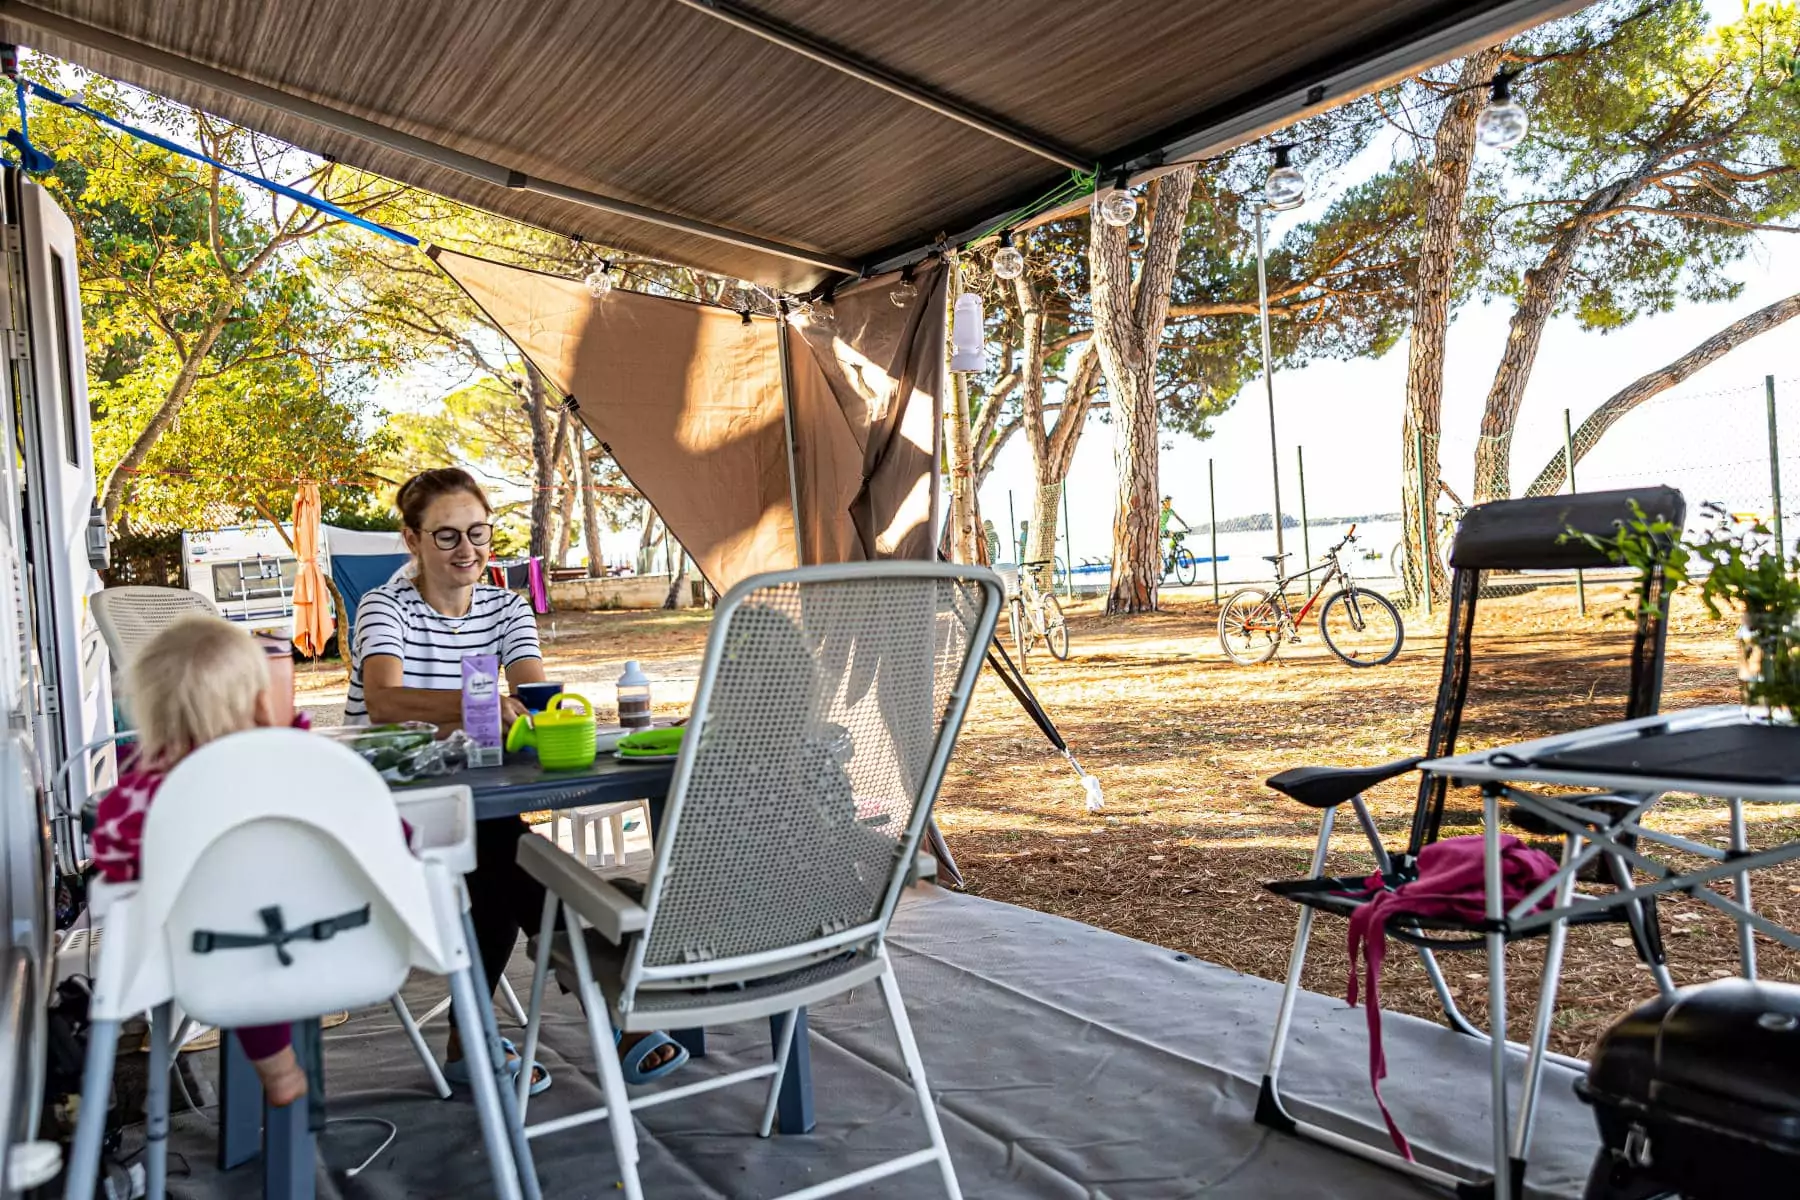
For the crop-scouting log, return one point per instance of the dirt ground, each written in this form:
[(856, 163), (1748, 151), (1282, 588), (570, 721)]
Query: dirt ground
[(1182, 739)]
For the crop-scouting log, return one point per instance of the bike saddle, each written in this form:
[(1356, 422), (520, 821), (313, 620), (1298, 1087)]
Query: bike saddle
[(1276, 558)]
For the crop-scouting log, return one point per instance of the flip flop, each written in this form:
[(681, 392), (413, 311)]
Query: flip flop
[(633, 1059), (458, 1072)]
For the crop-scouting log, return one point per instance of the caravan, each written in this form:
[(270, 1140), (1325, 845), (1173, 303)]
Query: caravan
[(55, 676)]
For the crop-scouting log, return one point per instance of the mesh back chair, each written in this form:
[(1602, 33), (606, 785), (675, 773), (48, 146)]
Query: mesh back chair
[(130, 616), (211, 929), (1492, 691), (827, 709)]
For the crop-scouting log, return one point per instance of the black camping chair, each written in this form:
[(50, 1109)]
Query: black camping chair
[(1507, 535)]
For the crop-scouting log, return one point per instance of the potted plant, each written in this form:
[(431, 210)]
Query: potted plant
[(1745, 575)]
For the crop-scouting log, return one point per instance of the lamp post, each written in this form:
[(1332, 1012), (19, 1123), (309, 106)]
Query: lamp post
[(1284, 189)]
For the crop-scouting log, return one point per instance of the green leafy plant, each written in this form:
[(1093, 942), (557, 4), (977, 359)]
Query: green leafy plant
[(1643, 543)]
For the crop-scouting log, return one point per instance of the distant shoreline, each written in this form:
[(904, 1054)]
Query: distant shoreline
[(1262, 522)]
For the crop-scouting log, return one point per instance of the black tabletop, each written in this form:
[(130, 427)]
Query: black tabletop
[(521, 785), (1741, 753)]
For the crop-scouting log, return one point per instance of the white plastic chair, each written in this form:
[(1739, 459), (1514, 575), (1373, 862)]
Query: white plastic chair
[(826, 711), (274, 903), (597, 831), (129, 617)]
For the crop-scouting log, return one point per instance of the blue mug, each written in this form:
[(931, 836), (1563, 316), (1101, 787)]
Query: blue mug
[(535, 696)]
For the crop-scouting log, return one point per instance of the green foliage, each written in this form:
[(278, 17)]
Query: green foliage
[(1643, 543), (1675, 138), (1745, 572)]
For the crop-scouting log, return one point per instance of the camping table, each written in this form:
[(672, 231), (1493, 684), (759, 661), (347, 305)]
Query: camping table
[(520, 786), (1714, 753)]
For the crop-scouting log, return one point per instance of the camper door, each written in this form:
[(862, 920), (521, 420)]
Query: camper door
[(66, 540)]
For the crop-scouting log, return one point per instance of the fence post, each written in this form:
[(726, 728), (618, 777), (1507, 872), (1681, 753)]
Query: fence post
[(1775, 466), (1305, 525), (1212, 526), (1068, 546), (1012, 542), (1569, 461), (1426, 511)]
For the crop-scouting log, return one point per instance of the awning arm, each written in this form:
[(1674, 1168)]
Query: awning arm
[(873, 73), (405, 143)]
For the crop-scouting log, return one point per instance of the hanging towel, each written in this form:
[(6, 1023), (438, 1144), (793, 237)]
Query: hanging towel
[(1450, 884)]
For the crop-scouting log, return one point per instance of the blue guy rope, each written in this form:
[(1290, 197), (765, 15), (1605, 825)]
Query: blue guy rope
[(37, 162)]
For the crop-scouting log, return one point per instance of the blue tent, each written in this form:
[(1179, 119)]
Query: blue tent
[(360, 559)]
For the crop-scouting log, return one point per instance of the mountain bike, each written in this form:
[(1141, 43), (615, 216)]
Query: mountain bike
[(1037, 615), (1178, 561), (1359, 626)]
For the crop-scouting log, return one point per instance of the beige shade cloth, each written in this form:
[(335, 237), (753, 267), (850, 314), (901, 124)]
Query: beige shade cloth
[(313, 622), (867, 379), (689, 401)]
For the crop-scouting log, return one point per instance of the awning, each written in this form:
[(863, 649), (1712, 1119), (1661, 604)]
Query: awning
[(781, 142)]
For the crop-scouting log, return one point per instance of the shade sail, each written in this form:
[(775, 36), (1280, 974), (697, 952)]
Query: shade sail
[(777, 141), (692, 402)]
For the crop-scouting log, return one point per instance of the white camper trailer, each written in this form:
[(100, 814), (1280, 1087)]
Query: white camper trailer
[(247, 572), (55, 678)]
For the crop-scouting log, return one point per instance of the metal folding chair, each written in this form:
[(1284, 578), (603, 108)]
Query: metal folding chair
[(827, 709), (1510, 536)]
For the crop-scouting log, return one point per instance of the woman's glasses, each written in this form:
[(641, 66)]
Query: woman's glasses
[(449, 539)]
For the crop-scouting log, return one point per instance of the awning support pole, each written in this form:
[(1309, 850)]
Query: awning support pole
[(879, 76), (404, 143), (785, 346)]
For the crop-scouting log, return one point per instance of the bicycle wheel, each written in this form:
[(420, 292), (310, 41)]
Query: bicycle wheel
[(1249, 627), (1021, 631), (1185, 568), (1361, 627), (1056, 628)]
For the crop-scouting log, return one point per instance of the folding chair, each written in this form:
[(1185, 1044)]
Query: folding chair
[(826, 711), (211, 929), (1485, 698)]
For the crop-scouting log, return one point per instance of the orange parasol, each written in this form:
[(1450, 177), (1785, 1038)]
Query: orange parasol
[(312, 601)]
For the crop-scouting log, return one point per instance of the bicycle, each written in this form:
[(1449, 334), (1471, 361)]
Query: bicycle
[(1037, 615), (1361, 627), (1178, 561)]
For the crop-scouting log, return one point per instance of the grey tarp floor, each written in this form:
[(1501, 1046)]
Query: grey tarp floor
[(1069, 1062)]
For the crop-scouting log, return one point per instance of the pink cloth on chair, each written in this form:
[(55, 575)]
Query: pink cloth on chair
[(1450, 884)]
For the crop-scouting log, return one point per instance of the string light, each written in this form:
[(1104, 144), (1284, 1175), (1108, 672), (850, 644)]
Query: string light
[(903, 292), (1285, 187), (1502, 123), (599, 281), (1116, 205), (1008, 262)]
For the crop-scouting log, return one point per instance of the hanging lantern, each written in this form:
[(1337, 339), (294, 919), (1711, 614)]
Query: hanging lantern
[(968, 345)]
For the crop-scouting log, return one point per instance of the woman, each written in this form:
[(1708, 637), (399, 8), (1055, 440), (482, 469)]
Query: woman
[(411, 635)]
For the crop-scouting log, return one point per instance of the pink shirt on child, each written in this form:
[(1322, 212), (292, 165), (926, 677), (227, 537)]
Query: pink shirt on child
[(118, 836)]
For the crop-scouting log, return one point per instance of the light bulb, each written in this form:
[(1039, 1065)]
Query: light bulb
[(1502, 122), (1008, 262), (599, 281), (1285, 187), (902, 293), (1117, 206)]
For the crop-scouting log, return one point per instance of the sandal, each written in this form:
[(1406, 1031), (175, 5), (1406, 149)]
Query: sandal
[(633, 1059), (458, 1072)]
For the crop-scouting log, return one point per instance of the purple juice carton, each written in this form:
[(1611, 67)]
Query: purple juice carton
[(481, 707)]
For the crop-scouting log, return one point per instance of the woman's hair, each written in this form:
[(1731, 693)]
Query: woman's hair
[(417, 494), (196, 681)]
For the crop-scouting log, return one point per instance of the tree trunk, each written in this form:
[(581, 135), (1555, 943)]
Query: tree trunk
[(677, 580), (166, 412), (959, 452), (565, 529), (647, 541), (1555, 474), (1446, 186), (1537, 304), (590, 509), (544, 473), (1128, 327)]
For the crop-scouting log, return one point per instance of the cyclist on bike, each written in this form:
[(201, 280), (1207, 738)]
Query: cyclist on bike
[(1169, 514)]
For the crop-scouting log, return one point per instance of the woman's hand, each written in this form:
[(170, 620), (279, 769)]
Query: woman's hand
[(511, 709)]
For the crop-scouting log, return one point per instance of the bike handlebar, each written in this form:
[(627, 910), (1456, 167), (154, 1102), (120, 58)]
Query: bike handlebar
[(1349, 537)]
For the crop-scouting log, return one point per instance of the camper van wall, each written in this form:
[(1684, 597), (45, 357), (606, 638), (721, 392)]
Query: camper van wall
[(247, 571)]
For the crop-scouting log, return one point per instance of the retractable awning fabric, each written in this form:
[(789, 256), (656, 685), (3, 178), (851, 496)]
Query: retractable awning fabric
[(783, 141), (762, 444)]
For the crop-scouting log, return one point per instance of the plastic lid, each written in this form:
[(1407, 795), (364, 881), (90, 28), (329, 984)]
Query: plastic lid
[(634, 676)]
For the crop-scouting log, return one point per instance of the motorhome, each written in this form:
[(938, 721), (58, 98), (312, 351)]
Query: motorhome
[(55, 676), (247, 572)]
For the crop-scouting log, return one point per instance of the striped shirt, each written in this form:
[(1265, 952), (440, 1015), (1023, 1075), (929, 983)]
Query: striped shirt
[(394, 619)]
